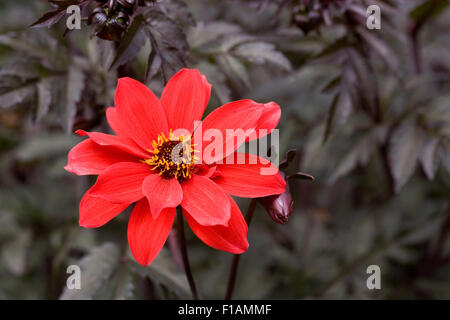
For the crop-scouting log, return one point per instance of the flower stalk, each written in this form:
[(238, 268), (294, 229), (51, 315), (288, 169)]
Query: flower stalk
[(184, 254), (236, 257)]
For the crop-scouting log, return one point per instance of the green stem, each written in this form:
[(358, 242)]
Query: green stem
[(184, 255), (235, 263)]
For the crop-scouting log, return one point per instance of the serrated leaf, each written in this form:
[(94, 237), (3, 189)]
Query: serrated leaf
[(44, 146), (382, 49), (19, 67), (96, 267), (334, 48), (178, 11), (203, 34), (339, 112), (10, 225), (44, 88), (15, 252), (365, 80), (74, 88), (429, 157), (262, 52), (52, 17), (125, 284), (217, 80), (22, 45), (153, 65), (167, 40), (16, 96), (101, 53), (360, 153), (132, 42), (230, 41), (403, 154), (49, 18), (163, 271), (234, 69), (333, 85), (426, 229)]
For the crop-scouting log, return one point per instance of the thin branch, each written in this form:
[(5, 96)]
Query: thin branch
[(235, 263), (414, 28), (416, 59)]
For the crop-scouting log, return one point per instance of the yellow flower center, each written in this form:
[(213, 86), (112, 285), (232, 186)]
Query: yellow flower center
[(173, 157)]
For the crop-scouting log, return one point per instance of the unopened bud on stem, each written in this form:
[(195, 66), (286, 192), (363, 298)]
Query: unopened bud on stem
[(280, 206)]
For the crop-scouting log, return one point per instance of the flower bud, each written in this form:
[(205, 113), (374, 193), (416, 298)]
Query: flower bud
[(109, 21), (279, 207)]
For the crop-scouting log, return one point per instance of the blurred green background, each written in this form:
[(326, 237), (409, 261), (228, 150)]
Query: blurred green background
[(367, 110)]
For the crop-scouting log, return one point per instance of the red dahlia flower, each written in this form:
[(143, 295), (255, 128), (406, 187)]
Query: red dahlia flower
[(135, 165)]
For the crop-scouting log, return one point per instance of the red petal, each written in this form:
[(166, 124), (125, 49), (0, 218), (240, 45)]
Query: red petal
[(184, 98), (269, 118), (147, 235), (88, 158), (95, 212), (247, 115), (250, 179), (205, 201), (140, 111), (115, 123), (121, 182), (161, 193), (120, 142), (231, 238), (207, 171)]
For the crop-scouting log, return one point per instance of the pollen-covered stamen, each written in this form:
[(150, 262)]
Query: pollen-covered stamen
[(173, 157)]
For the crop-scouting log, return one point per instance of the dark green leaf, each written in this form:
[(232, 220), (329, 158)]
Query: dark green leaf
[(49, 18), (429, 156), (132, 42), (428, 9), (96, 267), (178, 11), (404, 148), (382, 49), (74, 88), (125, 283), (44, 88), (16, 96), (217, 80), (168, 41), (15, 252), (44, 147), (234, 69), (360, 153), (153, 65), (52, 17), (339, 112), (262, 52), (163, 271)]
